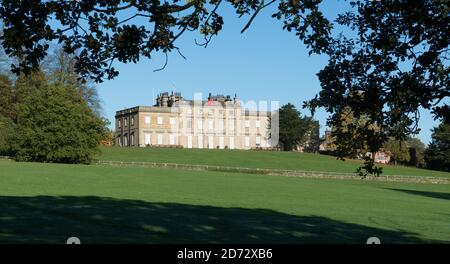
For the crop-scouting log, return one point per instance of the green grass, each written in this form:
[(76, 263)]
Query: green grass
[(252, 159), (46, 203)]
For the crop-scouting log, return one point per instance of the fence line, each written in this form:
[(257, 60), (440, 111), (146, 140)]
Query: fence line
[(280, 172)]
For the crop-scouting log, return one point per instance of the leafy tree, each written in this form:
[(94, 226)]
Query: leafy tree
[(393, 63), (312, 137), (398, 150), (104, 31), (416, 152), (437, 155), (7, 128), (55, 124), (60, 67), (6, 96), (293, 129)]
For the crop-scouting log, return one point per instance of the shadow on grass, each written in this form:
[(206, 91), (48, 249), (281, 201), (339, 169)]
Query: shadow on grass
[(52, 219), (438, 195)]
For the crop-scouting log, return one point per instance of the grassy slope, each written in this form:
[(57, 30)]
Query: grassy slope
[(50, 202), (252, 159)]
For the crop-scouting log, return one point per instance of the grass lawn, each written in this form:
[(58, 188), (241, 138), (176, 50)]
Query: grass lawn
[(252, 159), (47, 203)]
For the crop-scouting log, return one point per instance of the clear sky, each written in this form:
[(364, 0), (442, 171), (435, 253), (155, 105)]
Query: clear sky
[(264, 63)]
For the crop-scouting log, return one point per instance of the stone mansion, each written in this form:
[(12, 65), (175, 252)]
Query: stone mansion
[(217, 123)]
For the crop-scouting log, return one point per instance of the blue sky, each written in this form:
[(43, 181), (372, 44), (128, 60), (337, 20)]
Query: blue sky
[(264, 63)]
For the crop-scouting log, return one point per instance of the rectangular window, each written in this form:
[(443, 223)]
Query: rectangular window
[(200, 141), (221, 125), (160, 120), (119, 123), (221, 143), (147, 120), (160, 139), (247, 123), (126, 121), (200, 124), (189, 123), (247, 142), (189, 141), (171, 139), (231, 142), (125, 140), (258, 141), (189, 111), (211, 124), (147, 138), (172, 121), (211, 142), (231, 124), (132, 140), (132, 120), (258, 124)]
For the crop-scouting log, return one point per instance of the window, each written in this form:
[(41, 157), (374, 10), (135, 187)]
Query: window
[(120, 141), (200, 141), (247, 123), (258, 141), (211, 142), (258, 124), (147, 138), (160, 139), (231, 142), (221, 125), (200, 111), (132, 139), (171, 139), (231, 113), (147, 120), (189, 111), (231, 124), (200, 124), (119, 123), (189, 141), (221, 142), (189, 123), (132, 120), (126, 121), (172, 121), (125, 140), (247, 142), (211, 124), (160, 120)]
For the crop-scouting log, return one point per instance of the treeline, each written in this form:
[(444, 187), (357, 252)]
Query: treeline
[(408, 152), (50, 115)]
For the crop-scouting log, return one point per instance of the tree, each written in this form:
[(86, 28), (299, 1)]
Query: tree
[(437, 155), (394, 63), (6, 96), (312, 137), (55, 124), (104, 31), (7, 128), (416, 152), (398, 150), (293, 128)]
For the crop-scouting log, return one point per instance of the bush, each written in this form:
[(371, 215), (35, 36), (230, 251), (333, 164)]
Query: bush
[(55, 124)]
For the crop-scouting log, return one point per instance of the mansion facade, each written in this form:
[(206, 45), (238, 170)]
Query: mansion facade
[(217, 123)]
